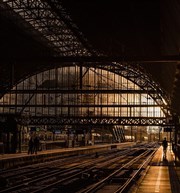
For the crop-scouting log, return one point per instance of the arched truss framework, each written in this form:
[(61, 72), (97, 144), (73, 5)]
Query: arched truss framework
[(87, 94), (143, 81), (47, 20), (51, 21), (135, 75)]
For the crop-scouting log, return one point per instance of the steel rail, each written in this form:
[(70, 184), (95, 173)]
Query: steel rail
[(98, 185), (77, 174), (123, 188), (51, 174)]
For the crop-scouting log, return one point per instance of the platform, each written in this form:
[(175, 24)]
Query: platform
[(162, 176), (22, 159)]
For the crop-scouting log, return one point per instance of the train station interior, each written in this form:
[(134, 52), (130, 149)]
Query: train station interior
[(89, 80)]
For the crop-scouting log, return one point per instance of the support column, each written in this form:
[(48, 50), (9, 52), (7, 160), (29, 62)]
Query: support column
[(131, 134)]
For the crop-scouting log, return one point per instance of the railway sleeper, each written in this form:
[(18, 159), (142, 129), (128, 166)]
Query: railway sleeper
[(74, 185), (94, 175)]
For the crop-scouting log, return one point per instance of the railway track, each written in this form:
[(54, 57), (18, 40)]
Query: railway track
[(79, 174), (120, 179)]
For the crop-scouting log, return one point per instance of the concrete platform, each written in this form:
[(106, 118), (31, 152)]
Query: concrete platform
[(22, 159), (162, 175)]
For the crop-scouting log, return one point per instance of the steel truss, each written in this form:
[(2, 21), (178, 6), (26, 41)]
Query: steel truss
[(139, 121), (50, 20), (137, 76), (142, 80), (146, 87)]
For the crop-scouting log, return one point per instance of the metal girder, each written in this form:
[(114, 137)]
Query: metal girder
[(140, 79), (39, 15), (139, 121), (126, 71), (137, 76), (58, 9), (48, 18)]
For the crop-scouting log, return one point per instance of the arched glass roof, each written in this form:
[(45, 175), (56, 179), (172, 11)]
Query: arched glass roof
[(79, 91)]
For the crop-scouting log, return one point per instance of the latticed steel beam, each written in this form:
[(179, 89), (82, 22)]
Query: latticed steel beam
[(44, 20), (139, 121), (142, 80), (49, 18), (146, 85), (58, 9), (136, 76)]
